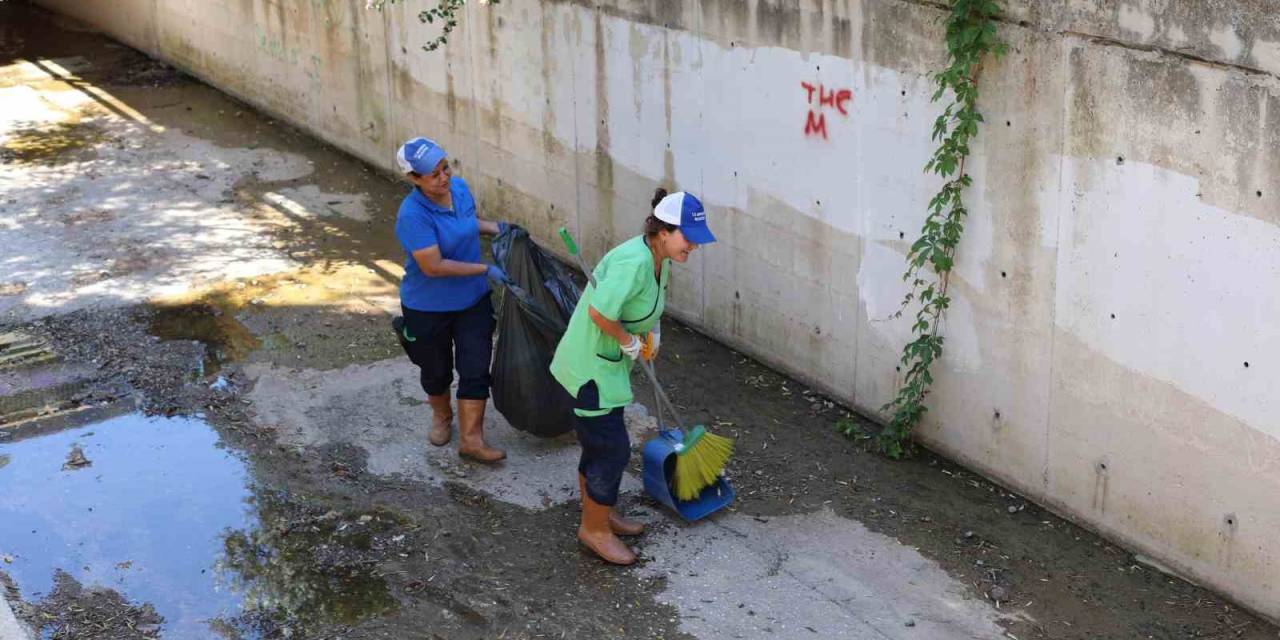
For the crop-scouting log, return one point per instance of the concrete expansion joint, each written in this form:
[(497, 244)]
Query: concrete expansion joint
[(1191, 57), (726, 528), (933, 4), (942, 6), (815, 587)]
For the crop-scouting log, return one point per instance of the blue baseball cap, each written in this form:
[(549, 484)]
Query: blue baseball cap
[(686, 212), (419, 155)]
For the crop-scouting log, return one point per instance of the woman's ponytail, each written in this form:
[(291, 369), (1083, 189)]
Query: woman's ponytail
[(652, 225), (658, 195)]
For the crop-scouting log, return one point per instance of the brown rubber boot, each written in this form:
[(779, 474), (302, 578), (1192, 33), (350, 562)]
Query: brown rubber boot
[(595, 534), (441, 420), (618, 524), (471, 433)]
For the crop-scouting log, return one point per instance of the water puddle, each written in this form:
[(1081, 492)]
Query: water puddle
[(278, 569), (155, 510), (322, 316), (224, 338), (142, 510)]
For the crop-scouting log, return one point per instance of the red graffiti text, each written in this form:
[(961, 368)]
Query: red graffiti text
[(815, 124)]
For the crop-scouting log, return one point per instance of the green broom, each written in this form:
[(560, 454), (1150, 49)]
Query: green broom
[(701, 455)]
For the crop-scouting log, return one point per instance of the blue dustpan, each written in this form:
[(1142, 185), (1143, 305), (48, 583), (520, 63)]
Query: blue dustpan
[(659, 467)]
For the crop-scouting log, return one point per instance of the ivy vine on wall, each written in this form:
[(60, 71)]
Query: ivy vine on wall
[(445, 13), (970, 38)]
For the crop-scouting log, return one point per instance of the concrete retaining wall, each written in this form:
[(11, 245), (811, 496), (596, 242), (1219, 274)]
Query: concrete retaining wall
[(1111, 350)]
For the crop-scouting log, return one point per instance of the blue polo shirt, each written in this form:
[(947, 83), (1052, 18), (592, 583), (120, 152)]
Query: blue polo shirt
[(422, 223)]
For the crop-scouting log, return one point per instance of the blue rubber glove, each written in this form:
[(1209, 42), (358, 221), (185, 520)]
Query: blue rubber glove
[(496, 274)]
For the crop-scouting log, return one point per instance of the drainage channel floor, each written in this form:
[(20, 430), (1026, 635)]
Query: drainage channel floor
[(139, 505)]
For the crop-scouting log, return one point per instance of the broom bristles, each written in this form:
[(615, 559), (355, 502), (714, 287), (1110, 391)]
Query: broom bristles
[(699, 465)]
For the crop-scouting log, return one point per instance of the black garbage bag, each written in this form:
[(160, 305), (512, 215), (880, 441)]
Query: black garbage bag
[(532, 316)]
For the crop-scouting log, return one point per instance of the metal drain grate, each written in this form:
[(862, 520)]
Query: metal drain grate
[(36, 384), (22, 350)]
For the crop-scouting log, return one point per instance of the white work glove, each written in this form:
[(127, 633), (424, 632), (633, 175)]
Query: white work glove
[(632, 348)]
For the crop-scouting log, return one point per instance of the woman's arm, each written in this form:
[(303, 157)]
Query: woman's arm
[(436, 266), (611, 328), (488, 227)]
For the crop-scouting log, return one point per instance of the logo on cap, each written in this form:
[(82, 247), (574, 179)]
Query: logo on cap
[(419, 155), (685, 211)]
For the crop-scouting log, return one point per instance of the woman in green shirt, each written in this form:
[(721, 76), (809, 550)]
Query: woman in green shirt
[(594, 358)]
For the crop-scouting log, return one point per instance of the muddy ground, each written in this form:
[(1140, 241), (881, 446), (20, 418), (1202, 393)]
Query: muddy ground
[(468, 566), (340, 542)]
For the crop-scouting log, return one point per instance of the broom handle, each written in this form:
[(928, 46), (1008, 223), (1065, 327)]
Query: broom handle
[(647, 366)]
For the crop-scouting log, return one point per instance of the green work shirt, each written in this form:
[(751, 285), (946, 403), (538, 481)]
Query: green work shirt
[(627, 292)]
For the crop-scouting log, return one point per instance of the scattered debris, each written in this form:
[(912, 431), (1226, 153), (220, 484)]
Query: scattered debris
[(72, 611), (76, 459)]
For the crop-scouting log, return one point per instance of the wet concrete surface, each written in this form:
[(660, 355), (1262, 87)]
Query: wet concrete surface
[(248, 276), (127, 181)]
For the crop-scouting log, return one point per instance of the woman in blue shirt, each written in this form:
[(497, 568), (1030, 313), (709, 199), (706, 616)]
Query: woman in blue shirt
[(448, 318)]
